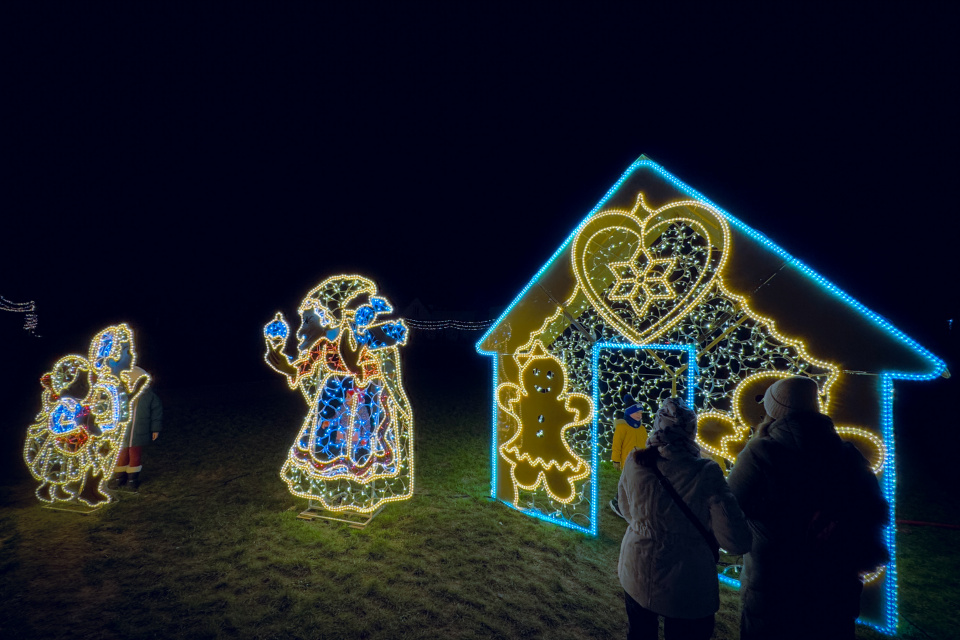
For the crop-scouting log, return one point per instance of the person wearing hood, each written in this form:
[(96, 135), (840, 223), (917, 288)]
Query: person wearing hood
[(144, 428), (667, 567), (817, 515)]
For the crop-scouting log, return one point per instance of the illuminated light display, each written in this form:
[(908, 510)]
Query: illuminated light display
[(354, 451), (29, 309), (73, 445), (439, 325), (538, 453), (660, 293)]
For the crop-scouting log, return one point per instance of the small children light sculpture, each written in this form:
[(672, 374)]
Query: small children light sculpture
[(73, 445), (354, 450)]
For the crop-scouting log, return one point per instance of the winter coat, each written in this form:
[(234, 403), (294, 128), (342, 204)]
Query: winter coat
[(147, 418), (665, 563), (793, 469), (625, 440)]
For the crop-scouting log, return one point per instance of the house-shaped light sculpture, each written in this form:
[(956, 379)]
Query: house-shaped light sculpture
[(660, 293), (353, 452)]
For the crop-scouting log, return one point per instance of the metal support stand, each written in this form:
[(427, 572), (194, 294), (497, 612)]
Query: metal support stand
[(73, 508), (354, 519)]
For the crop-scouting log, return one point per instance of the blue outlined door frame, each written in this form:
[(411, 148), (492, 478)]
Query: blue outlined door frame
[(691, 352)]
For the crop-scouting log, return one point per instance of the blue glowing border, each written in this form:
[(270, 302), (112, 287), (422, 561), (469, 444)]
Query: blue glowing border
[(594, 519), (494, 456), (691, 352), (889, 476), (876, 318), (888, 483)]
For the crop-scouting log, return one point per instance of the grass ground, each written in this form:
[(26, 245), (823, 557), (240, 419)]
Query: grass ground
[(212, 547)]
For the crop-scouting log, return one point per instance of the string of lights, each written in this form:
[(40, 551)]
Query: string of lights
[(27, 308), (440, 325)]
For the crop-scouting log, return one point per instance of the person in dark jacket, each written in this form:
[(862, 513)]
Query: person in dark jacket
[(144, 428), (817, 515), (667, 568)]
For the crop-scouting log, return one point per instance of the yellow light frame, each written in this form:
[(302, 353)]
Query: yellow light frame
[(349, 359), (632, 284), (564, 306), (512, 397), (74, 460)]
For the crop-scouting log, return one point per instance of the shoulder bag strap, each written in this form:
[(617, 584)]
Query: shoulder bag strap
[(707, 535)]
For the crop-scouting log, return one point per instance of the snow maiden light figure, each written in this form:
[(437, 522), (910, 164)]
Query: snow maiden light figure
[(354, 451), (72, 447)]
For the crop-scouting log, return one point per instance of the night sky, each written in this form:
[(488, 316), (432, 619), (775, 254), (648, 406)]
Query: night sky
[(192, 170)]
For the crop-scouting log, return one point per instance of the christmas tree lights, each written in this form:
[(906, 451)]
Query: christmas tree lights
[(354, 450), (72, 446)]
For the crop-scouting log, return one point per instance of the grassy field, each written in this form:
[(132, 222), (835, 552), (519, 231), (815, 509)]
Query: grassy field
[(212, 547)]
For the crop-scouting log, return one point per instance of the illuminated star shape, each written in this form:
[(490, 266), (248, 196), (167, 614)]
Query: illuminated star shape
[(625, 284), (641, 280)]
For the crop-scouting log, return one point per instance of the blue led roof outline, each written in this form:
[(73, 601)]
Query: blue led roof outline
[(888, 478), (880, 321)]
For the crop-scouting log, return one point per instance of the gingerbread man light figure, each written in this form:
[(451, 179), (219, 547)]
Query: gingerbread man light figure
[(544, 410)]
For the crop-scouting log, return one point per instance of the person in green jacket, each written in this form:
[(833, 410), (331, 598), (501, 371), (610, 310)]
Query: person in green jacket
[(145, 427)]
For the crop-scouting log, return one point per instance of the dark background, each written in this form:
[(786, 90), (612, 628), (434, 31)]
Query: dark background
[(192, 169)]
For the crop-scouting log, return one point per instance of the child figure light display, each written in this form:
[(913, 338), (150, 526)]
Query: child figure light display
[(73, 445), (354, 450)]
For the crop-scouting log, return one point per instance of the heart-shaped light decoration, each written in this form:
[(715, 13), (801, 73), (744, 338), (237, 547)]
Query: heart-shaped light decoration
[(643, 270)]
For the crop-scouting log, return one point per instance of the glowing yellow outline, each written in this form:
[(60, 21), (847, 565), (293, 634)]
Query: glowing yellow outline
[(640, 280), (524, 360), (856, 432), (716, 279), (363, 480), (384, 361), (90, 460), (680, 310), (710, 282)]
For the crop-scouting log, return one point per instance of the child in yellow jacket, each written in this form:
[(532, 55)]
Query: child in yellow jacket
[(628, 435)]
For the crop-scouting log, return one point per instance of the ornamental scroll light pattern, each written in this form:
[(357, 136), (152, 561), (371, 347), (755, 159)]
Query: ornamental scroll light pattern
[(72, 446), (645, 276), (354, 449), (677, 253), (658, 293)]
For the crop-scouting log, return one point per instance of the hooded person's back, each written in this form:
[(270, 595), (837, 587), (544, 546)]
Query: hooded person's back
[(816, 512)]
